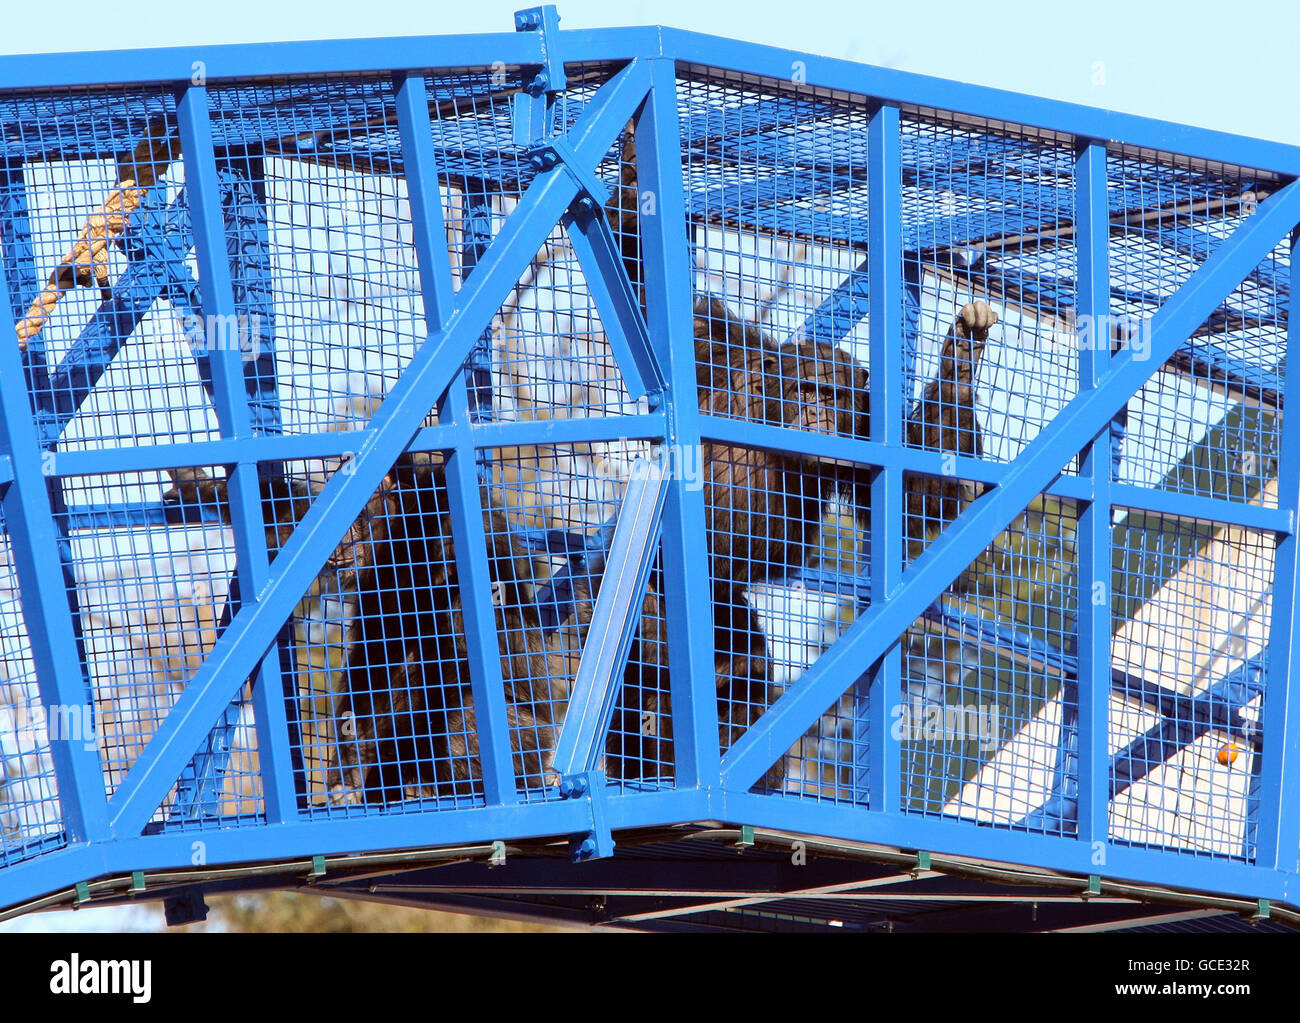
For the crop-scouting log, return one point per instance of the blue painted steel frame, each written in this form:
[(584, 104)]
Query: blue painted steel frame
[(105, 836), (886, 298)]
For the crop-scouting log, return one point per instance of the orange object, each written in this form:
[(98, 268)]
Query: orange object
[(1228, 754)]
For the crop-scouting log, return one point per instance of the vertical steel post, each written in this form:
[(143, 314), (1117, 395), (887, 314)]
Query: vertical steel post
[(249, 245), (491, 719), (669, 287), (1093, 576), (886, 320), (231, 400), (1279, 783)]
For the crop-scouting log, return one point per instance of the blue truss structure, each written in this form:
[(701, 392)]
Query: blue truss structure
[(1164, 773)]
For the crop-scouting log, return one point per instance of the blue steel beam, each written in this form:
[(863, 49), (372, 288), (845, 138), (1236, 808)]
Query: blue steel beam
[(968, 840), (884, 676), (293, 59), (545, 21), (1082, 418), (57, 870), (156, 243), (254, 628), (473, 572), (234, 419), (557, 598), (248, 242), (162, 235), (1093, 547), (476, 236), (932, 463), (843, 309), (1278, 832), (19, 267), (598, 681), (153, 457), (18, 263), (669, 285), (174, 64), (1183, 720)]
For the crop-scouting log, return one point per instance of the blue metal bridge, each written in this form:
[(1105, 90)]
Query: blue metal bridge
[(279, 271)]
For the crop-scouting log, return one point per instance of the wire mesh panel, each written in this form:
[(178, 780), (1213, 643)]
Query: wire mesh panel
[(1194, 604), (987, 721), (988, 213), (103, 271), (990, 704), (325, 286), (776, 193), (1208, 423), (151, 597), (30, 817)]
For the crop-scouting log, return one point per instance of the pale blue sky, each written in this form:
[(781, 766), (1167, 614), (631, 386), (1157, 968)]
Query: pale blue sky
[(1220, 66)]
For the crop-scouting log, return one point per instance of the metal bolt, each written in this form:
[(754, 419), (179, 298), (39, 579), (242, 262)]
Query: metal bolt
[(571, 788), (587, 847)]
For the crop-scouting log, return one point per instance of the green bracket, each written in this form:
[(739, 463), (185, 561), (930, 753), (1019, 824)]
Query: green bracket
[(317, 868), (497, 857), (83, 894), (922, 863), (1261, 911), (137, 882), (1094, 887), (746, 840)]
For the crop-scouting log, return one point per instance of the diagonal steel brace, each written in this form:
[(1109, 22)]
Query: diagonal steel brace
[(1082, 418)]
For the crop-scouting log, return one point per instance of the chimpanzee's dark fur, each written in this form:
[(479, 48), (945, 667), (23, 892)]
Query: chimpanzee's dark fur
[(405, 720), (764, 509), (945, 421)]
